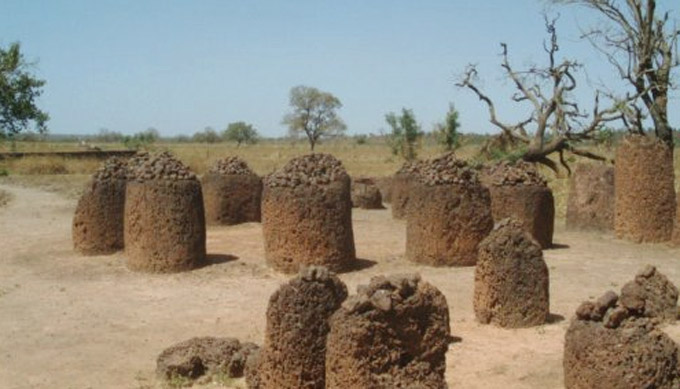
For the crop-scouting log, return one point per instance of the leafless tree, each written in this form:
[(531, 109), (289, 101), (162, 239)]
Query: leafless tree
[(556, 123), (643, 47)]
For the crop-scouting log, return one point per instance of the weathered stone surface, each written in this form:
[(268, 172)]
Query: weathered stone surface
[(615, 342), (393, 334), (451, 214), (294, 352), (164, 218), (634, 355), (231, 166), (252, 371), (98, 222), (161, 166), (511, 279), (365, 194), (307, 215), (385, 186), (205, 356), (232, 193), (590, 205), (645, 192), (651, 295), (519, 173), (400, 188), (518, 191)]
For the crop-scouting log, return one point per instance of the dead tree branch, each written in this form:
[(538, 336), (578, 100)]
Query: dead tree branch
[(556, 124)]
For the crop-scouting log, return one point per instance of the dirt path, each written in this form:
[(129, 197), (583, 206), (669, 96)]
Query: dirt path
[(68, 321)]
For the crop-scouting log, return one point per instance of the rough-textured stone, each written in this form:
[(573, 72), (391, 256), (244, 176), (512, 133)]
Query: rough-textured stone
[(400, 188), (675, 239), (307, 215), (205, 356), (231, 166), (232, 193), (98, 221), (161, 166), (252, 370), (393, 334), (164, 218), (293, 355), (519, 191), (614, 342), (385, 186), (645, 193), (517, 173), (365, 194), (590, 205), (634, 355), (511, 279), (451, 214), (651, 295)]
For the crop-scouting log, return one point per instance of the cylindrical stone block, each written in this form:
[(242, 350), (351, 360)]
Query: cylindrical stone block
[(98, 221), (365, 194), (385, 186), (294, 351), (590, 205), (532, 205), (645, 193), (611, 343), (232, 193), (400, 195), (393, 334), (400, 185), (164, 218), (231, 199), (518, 191), (307, 215), (450, 213), (511, 279)]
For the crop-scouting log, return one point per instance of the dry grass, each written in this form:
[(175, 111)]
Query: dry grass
[(371, 159), (5, 198), (68, 185), (49, 165), (359, 160)]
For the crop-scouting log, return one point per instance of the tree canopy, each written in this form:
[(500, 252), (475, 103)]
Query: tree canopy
[(208, 135), (240, 132), (314, 114), (19, 90), (405, 133), (447, 132)]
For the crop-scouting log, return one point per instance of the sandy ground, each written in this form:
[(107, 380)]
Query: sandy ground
[(68, 321)]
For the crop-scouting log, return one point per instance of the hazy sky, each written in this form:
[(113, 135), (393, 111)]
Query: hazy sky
[(180, 66)]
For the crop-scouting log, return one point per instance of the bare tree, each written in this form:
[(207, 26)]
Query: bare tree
[(643, 47), (556, 123)]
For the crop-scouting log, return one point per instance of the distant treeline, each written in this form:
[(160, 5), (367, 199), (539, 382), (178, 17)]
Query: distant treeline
[(152, 135)]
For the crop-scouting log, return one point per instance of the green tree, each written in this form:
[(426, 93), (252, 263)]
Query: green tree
[(107, 136), (208, 135), (141, 140), (405, 133), (240, 132), (18, 91), (314, 114), (447, 132)]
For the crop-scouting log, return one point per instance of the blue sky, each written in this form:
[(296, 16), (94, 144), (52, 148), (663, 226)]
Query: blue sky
[(180, 66)]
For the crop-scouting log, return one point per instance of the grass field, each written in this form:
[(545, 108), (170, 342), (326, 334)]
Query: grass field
[(373, 158)]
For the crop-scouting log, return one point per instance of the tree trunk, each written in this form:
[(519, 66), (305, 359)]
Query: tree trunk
[(660, 118)]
